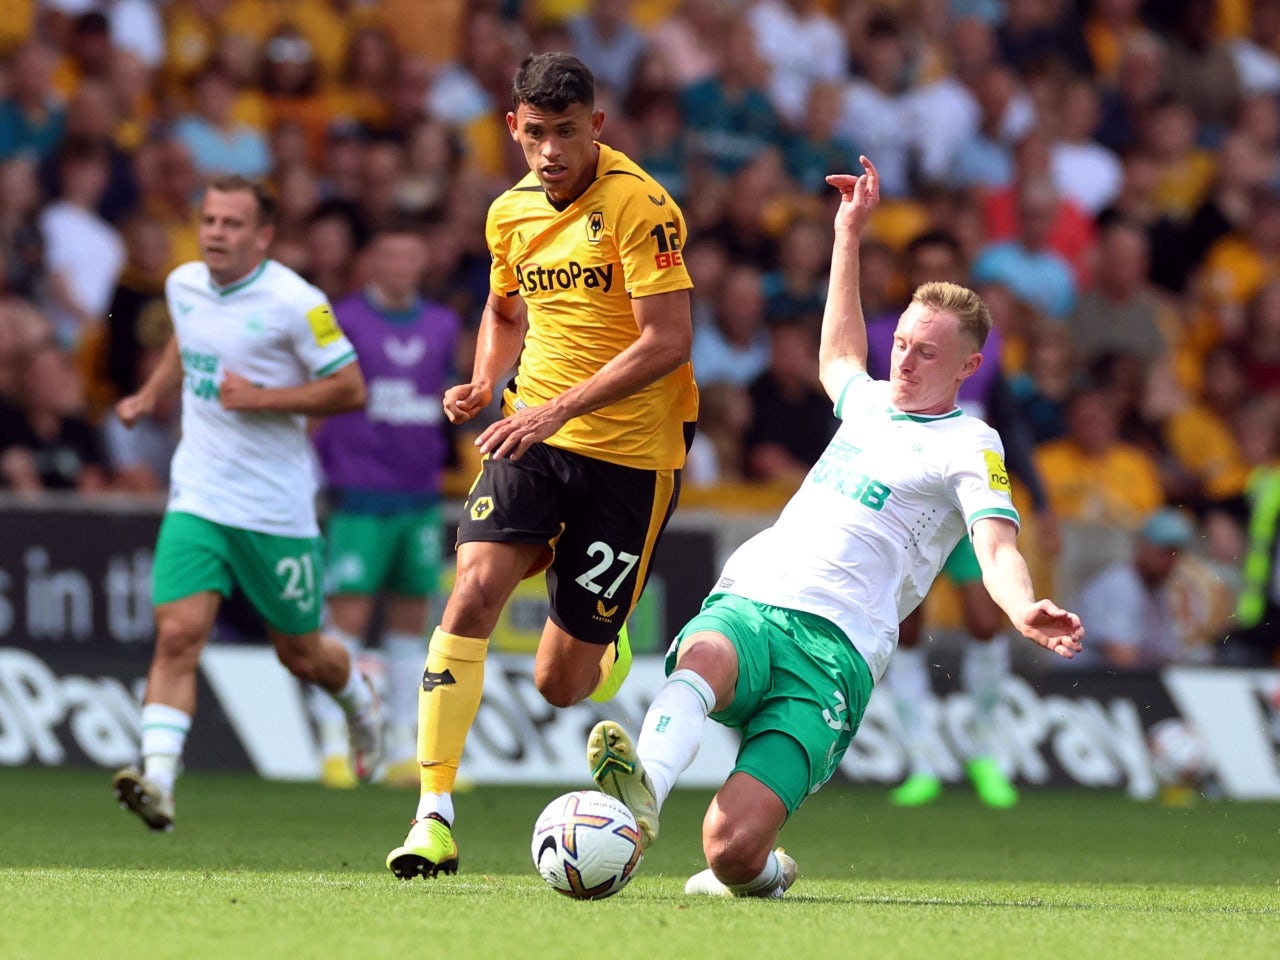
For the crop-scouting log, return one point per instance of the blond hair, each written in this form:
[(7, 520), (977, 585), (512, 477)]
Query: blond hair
[(961, 302)]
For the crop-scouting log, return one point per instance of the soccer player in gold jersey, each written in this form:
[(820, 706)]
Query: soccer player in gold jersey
[(590, 296)]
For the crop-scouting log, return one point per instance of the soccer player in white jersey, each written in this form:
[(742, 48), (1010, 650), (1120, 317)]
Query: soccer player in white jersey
[(805, 615), (256, 351)]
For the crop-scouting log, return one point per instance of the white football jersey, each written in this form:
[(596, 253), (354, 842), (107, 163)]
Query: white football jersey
[(864, 537), (249, 469)]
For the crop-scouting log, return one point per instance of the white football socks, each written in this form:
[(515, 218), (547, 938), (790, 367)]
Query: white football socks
[(768, 880), (983, 669), (164, 734), (440, 804), (672, 729), (907, 682), (405, 653)]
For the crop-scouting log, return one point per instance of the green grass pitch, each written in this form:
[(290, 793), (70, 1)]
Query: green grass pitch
[(266, 870)]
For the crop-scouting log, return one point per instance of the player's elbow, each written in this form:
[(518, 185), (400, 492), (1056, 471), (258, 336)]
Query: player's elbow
[(358, 395), (834, 372), (352, 394)]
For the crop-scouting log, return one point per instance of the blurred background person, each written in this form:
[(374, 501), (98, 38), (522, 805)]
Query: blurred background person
[(383, 467), (45, 441)]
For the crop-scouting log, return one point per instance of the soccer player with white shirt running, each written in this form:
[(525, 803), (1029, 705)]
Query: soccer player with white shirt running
[(256, 351), (804, 618)]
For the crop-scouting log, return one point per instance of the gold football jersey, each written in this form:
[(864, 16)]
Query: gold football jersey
[(577, 270)]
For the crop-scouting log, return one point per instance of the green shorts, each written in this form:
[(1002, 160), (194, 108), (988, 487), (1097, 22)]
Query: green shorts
[(397, 552), (962, 565), (279, 575), (802, 689)]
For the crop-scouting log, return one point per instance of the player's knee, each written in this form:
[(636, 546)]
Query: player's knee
[(477, 597), (299, 658), (178, 640), (560, 688), (733, 853)]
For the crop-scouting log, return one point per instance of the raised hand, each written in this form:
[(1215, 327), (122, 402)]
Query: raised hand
[(858, 197)]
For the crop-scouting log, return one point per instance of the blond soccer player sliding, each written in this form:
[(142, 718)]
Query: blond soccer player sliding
[(804, 618)]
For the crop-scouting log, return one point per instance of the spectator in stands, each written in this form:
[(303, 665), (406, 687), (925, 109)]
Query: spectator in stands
[(605, 40), (87, 52), (663, 147), (1042, 386), (1140, 82), (138, 31), (1259, 119), (791, 421), (167, 181), (1240, 264), (45, 443), (291, 82), (1197, 433), (134, 91), (1123, 311), (735, 347), (1083, 170), (9, 349), (1026, 263), (1202, 71), (1259, 347), (985, 158), (31, 115), (384, 169), (1243, 169), (1257, 55), (21, 244), (686, 48), (1112, 30), (797, 288), (729, 115), (369, 78), (463, 91), (218, 143), (240, 58), (803, 46), (1092, 476), (1034, 31), (1071, 232), (84, 254), (91, 116), (750, 210), (332, 241), (717, 455), (877, 108), (1135, 619), (298, 188), (1185, 170), (815, 148)]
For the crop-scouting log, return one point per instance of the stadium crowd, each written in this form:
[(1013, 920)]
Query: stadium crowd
[(1107, 173)]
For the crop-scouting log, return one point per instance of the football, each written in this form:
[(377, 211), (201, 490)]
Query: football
[(586, 845), (1179, 752)]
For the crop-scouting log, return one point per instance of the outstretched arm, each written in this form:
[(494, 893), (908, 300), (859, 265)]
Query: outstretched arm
[(1005, 575), (843, 350)]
